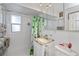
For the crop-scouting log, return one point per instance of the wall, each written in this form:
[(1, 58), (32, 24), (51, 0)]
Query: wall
[(51, 25), (70, 5), (58, 7)]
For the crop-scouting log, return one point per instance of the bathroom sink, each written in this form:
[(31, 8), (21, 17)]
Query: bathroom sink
[(43, 46), (43, 40)]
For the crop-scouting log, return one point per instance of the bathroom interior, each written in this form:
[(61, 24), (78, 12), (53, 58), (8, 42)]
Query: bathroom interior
[(39, 29)]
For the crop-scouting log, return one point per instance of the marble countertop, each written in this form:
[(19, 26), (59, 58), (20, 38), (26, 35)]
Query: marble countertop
[(43, 40)]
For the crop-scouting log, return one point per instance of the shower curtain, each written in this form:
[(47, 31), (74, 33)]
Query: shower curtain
[(37, 26)]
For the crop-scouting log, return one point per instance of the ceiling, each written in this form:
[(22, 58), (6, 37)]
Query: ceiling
[(11, 7), (20, 9), (35, 6)]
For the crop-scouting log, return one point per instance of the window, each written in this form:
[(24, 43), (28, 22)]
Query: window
[(74, 21), (16, 23)]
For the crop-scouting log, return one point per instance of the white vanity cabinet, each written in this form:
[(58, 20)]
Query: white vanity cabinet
[(38, 49), (44, 47)]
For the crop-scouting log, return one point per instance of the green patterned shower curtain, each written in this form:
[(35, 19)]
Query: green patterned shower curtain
[(37, 26)]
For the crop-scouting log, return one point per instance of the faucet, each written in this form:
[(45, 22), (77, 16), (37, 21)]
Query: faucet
[(46, 37)]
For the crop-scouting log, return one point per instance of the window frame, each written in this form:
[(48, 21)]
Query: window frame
[(16, 23)]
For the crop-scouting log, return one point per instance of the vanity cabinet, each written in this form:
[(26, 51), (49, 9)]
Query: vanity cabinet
[(38, 49), (43, 49)]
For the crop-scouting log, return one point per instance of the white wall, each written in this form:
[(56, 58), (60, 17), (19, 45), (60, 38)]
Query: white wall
[(58, 7), (70, 5), (51, 25)]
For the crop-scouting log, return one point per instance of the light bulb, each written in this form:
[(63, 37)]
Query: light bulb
[(40, 4), (47, 7), (50, 5)]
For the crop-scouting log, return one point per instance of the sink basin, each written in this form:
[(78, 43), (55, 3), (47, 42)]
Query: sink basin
[(43, 40)]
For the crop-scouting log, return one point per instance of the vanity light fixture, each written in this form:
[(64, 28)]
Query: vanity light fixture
[(47, 5)]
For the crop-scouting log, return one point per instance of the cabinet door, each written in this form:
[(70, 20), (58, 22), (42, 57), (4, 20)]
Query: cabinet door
[(58, 53), (38, 49), (50, 49)]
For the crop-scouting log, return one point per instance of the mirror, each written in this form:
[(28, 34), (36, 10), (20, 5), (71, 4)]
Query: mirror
[(71, 17)]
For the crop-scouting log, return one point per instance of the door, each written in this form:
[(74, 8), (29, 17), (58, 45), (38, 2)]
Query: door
[(20, 34)]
